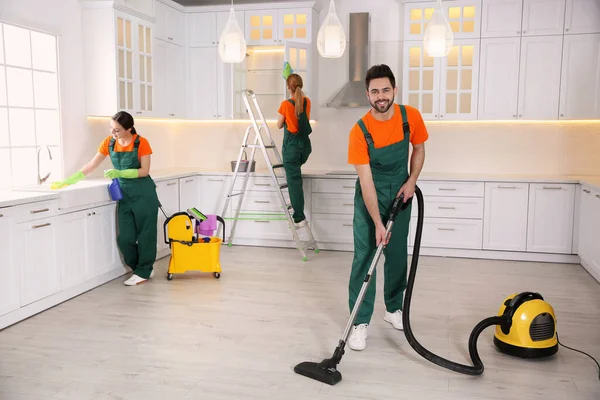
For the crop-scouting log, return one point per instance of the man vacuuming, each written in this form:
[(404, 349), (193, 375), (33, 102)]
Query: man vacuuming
[(379, 150)]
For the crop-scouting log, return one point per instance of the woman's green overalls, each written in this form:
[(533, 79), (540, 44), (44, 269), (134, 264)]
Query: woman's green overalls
[(296, 149), (389, 166), (137, 213)]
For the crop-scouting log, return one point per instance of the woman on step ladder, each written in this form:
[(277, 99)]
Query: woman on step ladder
[(294, 115)]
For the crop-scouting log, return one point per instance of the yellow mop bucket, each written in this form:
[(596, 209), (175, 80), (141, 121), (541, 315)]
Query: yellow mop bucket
[(189, 253)]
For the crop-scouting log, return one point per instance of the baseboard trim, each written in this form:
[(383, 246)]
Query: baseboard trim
[(429, 251), (46, 303)]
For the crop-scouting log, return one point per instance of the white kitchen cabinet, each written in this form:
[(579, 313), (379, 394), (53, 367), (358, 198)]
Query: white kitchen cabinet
[(501, 18), (580, 79), (9, 271), (168, 195), (295, 24), (145, 7), (210, 85), (539, 100), (101, 225), (589, 231), (118, 66), (464, 17), (205, 28), (170, 80), (543, 17), (36, 256), (170, 24), (505, 216), (499, 78), (73, 248), (203, 84), (189, 193), (582, 16), (261, 27), (442, 89), (550, 218)]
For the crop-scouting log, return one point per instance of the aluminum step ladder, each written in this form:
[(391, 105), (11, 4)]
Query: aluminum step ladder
[(279, 180)]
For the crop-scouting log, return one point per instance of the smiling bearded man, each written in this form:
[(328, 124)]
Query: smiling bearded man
[(379, 150)]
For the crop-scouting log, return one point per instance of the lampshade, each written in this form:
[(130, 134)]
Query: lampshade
[(438, 39), (331, 39), (232, 45)]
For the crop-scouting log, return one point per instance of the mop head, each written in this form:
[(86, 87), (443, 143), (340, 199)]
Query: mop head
[(315, 371)]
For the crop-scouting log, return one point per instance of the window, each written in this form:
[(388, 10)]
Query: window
[(29, 106)]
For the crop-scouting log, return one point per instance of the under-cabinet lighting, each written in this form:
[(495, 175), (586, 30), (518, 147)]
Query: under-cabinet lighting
[(192, 121)]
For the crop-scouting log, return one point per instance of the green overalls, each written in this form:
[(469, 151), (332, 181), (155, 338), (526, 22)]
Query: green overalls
[(137, 213), (295, 151), (389, 166)]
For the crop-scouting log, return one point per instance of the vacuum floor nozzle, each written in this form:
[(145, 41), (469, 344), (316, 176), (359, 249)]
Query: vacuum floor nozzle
[(316, 371)]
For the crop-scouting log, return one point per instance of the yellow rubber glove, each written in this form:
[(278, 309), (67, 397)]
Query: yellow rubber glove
[(73, 179)]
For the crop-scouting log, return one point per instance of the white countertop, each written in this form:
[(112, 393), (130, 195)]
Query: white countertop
[(15, 196)]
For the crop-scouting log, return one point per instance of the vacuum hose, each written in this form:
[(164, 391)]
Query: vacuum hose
[(477, 368)]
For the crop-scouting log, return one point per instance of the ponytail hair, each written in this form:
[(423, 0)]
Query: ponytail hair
[(294, 83), (125, 120)]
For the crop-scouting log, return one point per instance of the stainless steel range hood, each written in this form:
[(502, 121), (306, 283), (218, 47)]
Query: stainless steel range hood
[(353, 94)]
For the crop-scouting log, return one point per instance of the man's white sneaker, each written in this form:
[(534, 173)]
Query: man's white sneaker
[(394, 318), (134, 280), (358, 337)]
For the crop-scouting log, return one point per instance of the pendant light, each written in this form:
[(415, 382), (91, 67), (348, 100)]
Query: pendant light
[(232, 44), (438, 39), (331, 39)]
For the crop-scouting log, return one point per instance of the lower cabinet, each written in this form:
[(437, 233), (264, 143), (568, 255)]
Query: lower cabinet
[(87, 244), (550, 218), (505, 216), (36, 256), (9, 271), (168, 195), (589, 231)]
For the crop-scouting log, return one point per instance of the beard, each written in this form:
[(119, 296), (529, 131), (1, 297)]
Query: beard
[(383, 108)]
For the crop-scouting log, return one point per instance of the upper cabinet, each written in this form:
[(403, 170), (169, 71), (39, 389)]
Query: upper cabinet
[(582, 16), (118, 67), (543, 17), (499, 66), (170, 24)]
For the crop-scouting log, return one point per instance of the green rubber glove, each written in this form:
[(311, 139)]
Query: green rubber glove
[(73, 179), (126, 173), (287, 70)]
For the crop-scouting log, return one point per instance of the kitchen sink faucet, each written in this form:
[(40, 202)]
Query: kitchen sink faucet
[(41, 180)]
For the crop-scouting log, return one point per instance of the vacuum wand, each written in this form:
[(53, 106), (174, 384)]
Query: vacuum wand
[(326, 371)]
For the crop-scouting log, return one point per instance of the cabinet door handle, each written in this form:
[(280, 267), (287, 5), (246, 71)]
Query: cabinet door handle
[(40, 226), (1, 215), (348, 205), (262, 222), (172, 183), (189, 180), (216, 180), (347, 224), (586, 191), (262, 201), (447, 189), (262, 184), (506, 187), (445, 229), (348, 187), (552, 187), (446, 208), (598, 196), (39, 211)]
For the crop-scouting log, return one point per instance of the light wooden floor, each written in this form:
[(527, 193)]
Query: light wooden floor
[(239, 337)]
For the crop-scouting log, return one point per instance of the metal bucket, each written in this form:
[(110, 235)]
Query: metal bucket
[(243, 165)]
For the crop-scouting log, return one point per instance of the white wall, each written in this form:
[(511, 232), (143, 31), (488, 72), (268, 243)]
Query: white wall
[(554, 148)]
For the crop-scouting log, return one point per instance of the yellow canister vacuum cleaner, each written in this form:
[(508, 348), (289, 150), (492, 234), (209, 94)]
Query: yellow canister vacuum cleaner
[(525, 323)]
